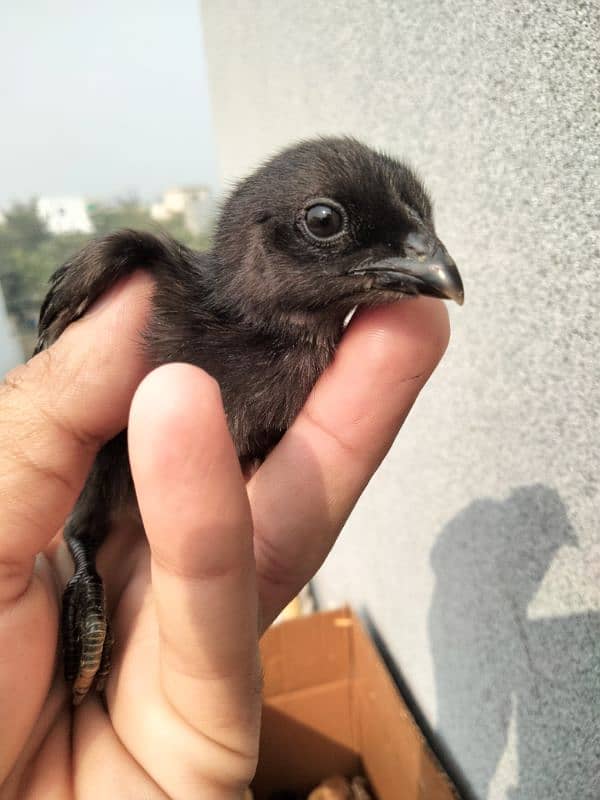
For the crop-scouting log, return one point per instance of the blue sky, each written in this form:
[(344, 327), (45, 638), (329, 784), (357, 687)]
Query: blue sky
[(102, 98)]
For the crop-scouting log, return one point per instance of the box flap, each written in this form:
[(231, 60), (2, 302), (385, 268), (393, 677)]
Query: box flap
[(397, 759), (307, 651)]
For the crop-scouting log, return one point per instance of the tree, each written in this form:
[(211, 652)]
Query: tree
[(22, 227), (130, 213), (29, 253), (28, 256)]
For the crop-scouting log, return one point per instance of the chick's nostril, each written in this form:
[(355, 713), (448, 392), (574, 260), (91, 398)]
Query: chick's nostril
[(417, 244)]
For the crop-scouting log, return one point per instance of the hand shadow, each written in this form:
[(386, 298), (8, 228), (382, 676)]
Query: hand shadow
[(492, 662)]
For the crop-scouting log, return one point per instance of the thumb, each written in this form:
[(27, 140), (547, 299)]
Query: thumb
[(56, 411)]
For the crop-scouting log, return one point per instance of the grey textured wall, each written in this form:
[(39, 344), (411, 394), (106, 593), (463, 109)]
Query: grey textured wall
[(475, 551)]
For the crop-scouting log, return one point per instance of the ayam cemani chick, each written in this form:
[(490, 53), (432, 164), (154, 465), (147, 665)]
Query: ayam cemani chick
[(323, 227)]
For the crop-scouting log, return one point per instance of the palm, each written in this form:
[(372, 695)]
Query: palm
[(144, 739)]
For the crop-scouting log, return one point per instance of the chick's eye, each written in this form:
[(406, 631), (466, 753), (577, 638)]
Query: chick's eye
[(323, 221)]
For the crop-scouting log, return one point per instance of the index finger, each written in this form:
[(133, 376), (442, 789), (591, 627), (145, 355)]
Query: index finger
[(306, 488), (56, 411)]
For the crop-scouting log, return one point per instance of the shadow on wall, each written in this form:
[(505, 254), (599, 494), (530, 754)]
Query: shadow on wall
[(497, 670)]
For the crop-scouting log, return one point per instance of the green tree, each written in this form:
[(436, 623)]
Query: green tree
[(28, 256), (130, 213), (22, 235), (23, 227), (29, 253)]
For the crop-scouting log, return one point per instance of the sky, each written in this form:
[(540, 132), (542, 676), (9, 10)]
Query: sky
[(105, 99)]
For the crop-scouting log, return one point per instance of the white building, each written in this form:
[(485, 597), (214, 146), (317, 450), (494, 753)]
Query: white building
[(66, 214), (194, 202)]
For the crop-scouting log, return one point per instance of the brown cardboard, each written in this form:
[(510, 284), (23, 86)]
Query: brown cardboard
[(330, 707)]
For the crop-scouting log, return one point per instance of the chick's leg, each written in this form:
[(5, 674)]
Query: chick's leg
[(86, 634)]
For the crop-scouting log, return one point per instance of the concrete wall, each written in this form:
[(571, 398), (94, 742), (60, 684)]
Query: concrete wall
[(475, 551)]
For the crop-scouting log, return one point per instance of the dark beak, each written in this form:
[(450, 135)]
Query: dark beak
[(435, 275)]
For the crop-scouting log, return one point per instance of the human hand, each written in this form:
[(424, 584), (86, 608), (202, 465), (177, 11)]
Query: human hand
[(182, 708)]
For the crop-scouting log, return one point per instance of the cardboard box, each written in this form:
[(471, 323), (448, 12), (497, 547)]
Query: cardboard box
[(331, 707)]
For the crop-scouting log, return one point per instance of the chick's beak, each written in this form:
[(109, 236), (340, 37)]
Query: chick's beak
[(429, 271)]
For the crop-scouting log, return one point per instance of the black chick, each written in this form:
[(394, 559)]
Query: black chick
[(323, 227)]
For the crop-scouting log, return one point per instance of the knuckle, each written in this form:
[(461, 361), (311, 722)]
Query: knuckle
[(31, 390), (272, 566), (345, 445)]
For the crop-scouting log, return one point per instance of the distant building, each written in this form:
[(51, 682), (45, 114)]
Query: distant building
[(66, 214), (195, 203)]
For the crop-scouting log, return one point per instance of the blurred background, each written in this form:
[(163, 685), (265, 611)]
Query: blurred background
[(105, 124), (474, 554)]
